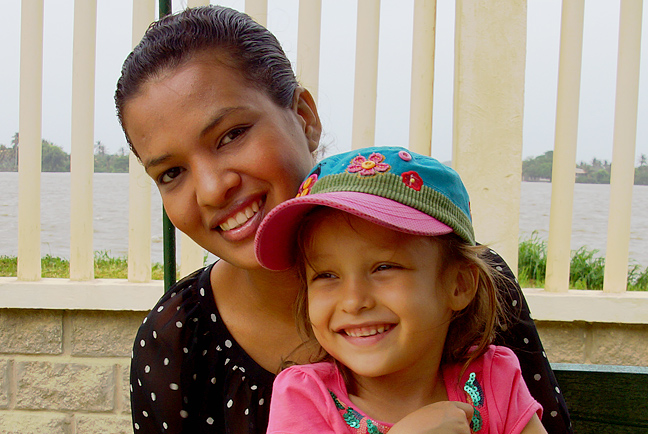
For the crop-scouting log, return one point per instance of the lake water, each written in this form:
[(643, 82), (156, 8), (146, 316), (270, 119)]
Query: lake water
[(591, 203)]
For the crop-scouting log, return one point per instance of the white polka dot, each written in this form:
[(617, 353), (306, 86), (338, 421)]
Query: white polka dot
[(147, 369), (261, 401), (557, 389), (185, 350), (493, 252), (526, 340), (136, 426), (153, 397), (242, 369), (173, 386), (537, 377), (234, 368), (218, 348), (227, 361), (184, 414), (132, 354), (195, 376), (160, 309), (166, 361), (514, 303), (204, 352), (131, 387), (544, 354), (253, 387), (178, 308), (179, 324), (243, 378), (228, 343), (139, 382), (195, 320), (164, 424), (213, 380), (213, 317), (554, 413), (173, 294), (247, 411), (498, 268), (230, 403), (145, 413), (154, 334), (145, 319), (202, 291), (142, 343), (210, 421)]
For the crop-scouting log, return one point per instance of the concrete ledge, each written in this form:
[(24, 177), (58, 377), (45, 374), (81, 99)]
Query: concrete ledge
[(99, 294), (590, 306)]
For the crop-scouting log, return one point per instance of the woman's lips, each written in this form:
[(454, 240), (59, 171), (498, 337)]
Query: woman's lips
[(241, 217)]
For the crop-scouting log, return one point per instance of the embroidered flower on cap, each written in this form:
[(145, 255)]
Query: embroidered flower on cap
[(306, 186), (370, 166), (412, 180)]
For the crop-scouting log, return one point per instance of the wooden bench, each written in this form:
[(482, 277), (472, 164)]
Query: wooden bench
[(605, 399)]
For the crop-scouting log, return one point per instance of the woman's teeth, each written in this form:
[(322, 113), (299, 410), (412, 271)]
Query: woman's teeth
[(241, 218), (366, 331)]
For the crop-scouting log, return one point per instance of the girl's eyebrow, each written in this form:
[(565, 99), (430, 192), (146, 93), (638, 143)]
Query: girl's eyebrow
[(215, 121)]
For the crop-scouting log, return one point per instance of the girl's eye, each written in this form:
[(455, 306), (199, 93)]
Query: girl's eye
[(232, 135), (322, 276), (169, 175)]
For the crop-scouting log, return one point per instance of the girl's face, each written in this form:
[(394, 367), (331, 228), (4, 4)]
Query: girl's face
[(221, 152), (378, 300)]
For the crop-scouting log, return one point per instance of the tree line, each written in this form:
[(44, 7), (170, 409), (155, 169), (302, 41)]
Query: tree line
[(593, 172), (55, 159)]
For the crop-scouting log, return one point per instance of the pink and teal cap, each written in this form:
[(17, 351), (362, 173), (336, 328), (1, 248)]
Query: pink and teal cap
[(389, 186)]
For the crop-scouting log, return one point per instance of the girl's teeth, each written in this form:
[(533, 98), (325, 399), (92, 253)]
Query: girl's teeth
[(365, 332)]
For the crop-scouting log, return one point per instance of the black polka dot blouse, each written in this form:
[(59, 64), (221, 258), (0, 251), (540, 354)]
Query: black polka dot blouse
[(188, 375)]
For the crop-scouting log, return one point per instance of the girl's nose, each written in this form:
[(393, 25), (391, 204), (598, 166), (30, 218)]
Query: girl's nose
[(356, 296), (214, 185)]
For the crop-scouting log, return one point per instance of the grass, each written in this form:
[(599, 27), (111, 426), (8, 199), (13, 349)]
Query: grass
[(105, 267), (586, 271)]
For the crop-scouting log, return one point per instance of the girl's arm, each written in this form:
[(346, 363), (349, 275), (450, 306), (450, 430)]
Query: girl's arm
[(534, 426), (445, 417)]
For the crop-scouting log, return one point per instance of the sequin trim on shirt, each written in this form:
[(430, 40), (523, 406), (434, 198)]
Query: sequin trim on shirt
[(476, 395), (360, 423)]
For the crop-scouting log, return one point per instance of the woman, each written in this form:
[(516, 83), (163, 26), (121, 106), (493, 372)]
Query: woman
[(210, 105)]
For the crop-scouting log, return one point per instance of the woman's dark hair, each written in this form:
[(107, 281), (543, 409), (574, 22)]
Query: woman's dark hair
[(174, 39)]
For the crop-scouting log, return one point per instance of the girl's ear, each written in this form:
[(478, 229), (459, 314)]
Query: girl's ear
[(306, 110), (465, 279)]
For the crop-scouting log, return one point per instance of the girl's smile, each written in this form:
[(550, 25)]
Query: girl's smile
[(378, 300)]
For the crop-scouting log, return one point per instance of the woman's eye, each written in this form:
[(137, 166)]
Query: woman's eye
[(385, 267), (169, 175), (232, 135)]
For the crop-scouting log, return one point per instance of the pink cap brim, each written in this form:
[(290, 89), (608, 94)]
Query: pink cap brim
[(275, 238)]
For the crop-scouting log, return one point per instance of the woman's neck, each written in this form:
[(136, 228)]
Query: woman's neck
[(390, 398)]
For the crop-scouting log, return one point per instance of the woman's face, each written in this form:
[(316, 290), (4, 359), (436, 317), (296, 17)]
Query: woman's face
[(221, 152)]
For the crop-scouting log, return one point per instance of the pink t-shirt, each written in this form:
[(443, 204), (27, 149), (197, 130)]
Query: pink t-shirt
[(313, 398)]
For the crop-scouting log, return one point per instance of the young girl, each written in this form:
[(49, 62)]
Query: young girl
[(400, 301)]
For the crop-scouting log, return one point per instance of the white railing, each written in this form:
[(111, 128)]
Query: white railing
[(489, 79)]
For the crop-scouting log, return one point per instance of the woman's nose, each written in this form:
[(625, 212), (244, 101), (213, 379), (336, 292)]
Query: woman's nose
[(214, 185), (356, 296)]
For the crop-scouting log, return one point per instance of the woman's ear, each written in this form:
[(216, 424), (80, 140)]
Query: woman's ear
[(306, 109), (465, 281)]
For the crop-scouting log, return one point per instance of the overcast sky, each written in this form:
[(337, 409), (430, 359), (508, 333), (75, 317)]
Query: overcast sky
[(336, 72)]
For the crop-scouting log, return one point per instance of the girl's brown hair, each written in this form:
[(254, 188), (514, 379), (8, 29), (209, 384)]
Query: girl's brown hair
[(471, 330)]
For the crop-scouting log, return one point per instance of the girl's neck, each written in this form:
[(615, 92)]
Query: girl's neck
[(390, 398)]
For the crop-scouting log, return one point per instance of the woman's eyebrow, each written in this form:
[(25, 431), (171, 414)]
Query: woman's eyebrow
[(215, 121)]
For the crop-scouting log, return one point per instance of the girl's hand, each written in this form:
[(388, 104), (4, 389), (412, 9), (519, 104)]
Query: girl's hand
[(446, 417)]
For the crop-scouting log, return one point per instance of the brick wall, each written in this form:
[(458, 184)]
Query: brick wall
[(66, 372)]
